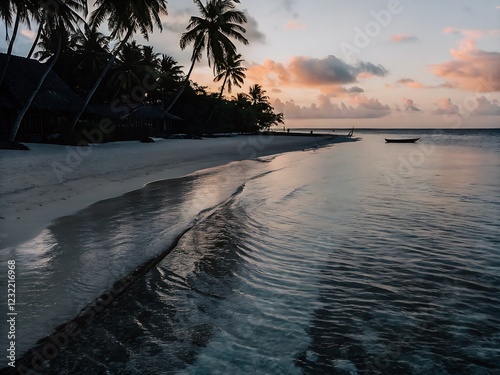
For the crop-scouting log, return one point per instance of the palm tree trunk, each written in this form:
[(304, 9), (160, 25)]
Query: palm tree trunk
[(9, 50), (99, 79), (27, 105), (223, 85), (39, 32), (181, 90)]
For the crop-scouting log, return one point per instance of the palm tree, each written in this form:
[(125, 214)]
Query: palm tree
[(242, 100), (129, 69), (49, 43), (171, 74), (66, 17), (39, 16), (257, 95), (124, 19), (150, 58), (219, 22), (91, 53), (169, 68), (265, 112), (23, 10), (232, 72)]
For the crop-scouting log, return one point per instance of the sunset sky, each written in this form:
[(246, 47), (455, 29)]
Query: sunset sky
[(332, 63)]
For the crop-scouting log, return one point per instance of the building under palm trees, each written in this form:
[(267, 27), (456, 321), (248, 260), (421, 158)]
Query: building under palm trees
[(51, 109), (56, 103)]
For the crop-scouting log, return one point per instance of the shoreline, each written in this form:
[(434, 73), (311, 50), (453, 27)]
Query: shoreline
[(52, 181)]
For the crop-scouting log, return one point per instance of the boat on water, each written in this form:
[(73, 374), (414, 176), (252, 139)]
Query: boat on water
[(401, 140)]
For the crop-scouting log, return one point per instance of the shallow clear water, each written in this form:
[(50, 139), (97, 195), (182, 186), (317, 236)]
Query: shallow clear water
[(353, 259)]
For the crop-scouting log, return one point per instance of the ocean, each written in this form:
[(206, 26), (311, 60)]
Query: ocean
[(356, 258)]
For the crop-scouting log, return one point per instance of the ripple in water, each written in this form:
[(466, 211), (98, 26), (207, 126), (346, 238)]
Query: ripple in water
[(319, 265)]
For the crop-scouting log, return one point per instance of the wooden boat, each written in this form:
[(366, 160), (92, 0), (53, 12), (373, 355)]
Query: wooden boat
[(401, 140)]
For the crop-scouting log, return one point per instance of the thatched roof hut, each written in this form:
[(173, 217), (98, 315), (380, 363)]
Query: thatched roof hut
[(51, 107)]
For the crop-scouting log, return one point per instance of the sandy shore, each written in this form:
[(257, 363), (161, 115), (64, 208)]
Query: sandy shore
[(51, 181)]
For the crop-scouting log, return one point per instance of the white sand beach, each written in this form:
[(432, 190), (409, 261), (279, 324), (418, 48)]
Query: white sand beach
[(51, 181)]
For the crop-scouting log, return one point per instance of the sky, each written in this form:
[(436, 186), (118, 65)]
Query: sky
[(371, 63)]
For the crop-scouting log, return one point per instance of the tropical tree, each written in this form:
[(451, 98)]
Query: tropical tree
[(219, 22), (266, 117), (124, 19), (257, 95), (244, 114), (63, 17), (91, 54), (23, 9), (171, 75), (129, 69), (170, 68), (50, 41), (39, 16), (232, 72), (150, 58)]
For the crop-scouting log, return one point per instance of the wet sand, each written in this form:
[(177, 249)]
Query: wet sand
[(51, 181)]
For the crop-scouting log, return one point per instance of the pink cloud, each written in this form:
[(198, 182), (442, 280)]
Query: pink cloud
[(28, 34), (403, 38), (486, 107), (445, 107), (471, 68), (471, 33), (295, 25), (411, 83), (409, 105), (359, 106), (328, 74)]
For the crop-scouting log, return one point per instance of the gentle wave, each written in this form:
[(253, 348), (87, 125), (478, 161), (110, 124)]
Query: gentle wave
[(311, 263)]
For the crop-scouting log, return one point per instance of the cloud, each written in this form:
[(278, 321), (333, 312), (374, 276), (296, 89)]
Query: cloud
[(483, 107), (471, 68), (295, 25), (375, 70), (253, 33), (486, 107), (289, 5), (445, 107), (359, 107), (178, 21), (448, 85), (403, 38), (355, 89), (328, 73), (28, 34), (473, 34), (411, 83), (409, 105)]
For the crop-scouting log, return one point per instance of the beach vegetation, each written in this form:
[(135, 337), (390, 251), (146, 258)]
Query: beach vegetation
[(219, 21), (64, 17), (12, 13), (141, 92), (125, 18)]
